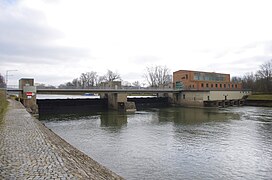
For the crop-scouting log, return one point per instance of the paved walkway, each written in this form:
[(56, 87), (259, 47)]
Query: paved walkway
[(28, 150)]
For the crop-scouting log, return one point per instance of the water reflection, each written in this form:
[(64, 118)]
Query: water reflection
[(114, 119), (190, 116)]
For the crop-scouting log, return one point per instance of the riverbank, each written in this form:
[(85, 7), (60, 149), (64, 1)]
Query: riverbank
[(263, 100), (29, 150)]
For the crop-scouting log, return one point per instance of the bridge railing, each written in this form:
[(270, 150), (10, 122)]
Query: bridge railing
[(82, 91)]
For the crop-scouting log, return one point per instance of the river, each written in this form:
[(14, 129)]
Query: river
[(175, 143)]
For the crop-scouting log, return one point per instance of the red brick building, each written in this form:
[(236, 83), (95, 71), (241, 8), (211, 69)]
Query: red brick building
[(198, 80)]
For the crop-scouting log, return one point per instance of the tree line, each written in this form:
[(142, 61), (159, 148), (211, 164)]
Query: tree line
[(90, 79), (157, 76), (261, 81)]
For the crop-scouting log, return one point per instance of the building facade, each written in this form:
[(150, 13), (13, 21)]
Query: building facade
[(198, 80)]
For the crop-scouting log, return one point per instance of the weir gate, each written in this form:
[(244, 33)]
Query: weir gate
[(84, 106)]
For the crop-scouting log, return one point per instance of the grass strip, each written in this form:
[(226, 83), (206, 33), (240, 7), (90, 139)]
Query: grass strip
[(3, 103), (260, 97)]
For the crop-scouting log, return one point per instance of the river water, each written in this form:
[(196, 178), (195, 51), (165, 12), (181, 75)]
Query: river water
[(175, 143)]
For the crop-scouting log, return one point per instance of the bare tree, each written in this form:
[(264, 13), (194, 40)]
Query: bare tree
[(248, 81), (88, 79), (136, 84), (2, 81), (157, 76), (93, 78), (236, 79), (111, 76), (264, 76), (76, 83)]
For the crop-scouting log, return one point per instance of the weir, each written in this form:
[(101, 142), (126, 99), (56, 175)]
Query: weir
[(88, 106), (117, 98)]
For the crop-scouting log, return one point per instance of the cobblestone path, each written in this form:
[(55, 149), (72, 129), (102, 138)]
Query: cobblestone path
[(29, 150)]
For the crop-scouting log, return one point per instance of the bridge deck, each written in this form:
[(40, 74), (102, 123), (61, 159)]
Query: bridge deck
[(82, 91)]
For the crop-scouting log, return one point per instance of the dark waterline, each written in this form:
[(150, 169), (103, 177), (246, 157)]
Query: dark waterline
[(176, 143)]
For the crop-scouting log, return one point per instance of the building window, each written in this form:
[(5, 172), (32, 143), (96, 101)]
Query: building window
[(235, 85), (232, 85), (220, 85), (207, 85), (228, 85), (186, 76), (224, 85), (183, 96), (211, 85), (216, 85), (202, 85)]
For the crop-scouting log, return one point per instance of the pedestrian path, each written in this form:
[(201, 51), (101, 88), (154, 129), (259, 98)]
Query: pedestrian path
[(29, 150)]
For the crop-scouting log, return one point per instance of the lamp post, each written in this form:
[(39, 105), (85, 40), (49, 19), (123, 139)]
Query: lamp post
[(7, 75)]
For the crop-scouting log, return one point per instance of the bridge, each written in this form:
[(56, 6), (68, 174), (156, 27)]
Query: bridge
[(98, 91), (117, 97)]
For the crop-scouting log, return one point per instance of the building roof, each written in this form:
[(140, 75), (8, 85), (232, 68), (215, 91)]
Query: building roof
[(200, 72)]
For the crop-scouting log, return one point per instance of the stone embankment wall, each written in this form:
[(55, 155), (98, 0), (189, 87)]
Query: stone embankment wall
[(29, 150)]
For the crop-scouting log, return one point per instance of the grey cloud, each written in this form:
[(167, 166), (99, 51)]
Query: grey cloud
[(25, 37), (240, 66), (26, 32), (47, 53), (217, 54)]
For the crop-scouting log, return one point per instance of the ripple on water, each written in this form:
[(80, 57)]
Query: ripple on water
[(177, 143)]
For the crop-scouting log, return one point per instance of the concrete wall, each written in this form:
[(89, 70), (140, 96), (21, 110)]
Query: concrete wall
[(196, 98), (115, 98), (226, 95), (193, 98)]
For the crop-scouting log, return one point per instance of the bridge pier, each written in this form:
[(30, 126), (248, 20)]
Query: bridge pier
[(118, 101)]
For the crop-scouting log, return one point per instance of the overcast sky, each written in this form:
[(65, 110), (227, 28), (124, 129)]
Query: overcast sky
[(54, 41)]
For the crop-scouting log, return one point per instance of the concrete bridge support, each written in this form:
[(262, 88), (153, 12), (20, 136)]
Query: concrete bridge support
[(118, 101)]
